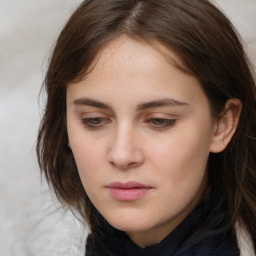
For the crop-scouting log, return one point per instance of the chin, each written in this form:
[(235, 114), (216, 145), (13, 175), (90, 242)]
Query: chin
[(129, 224)]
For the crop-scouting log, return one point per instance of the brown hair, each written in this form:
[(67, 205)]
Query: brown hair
[(211, 51)]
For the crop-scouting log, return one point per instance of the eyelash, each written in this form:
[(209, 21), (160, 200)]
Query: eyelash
[(164, 123), (90, 122), (98, 122)]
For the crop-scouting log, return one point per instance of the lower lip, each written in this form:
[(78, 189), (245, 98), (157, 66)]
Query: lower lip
[(128, 194)]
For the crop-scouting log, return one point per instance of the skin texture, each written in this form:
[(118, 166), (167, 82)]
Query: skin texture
[(123, 139)]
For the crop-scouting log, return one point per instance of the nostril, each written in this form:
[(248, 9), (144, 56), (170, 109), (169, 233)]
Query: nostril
[(133, 164), (125, 166)]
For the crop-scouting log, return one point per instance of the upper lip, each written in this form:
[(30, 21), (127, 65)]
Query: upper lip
[(128, 185)]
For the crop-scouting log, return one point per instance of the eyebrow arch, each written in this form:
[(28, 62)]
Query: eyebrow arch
[(91, 103), (161, 103)]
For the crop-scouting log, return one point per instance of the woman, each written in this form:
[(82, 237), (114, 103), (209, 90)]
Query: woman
[(149, 128)]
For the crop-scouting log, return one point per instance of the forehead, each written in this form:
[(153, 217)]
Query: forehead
[(124, 50), (136, 68)]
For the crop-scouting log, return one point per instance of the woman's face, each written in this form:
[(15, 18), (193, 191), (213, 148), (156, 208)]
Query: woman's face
[(140, 131)]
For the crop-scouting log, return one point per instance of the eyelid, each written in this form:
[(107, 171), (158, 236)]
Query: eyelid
[(160, 120), (161, 116), (94, 120), (93, 114), (159, 124), (89, 122), (166, 120)]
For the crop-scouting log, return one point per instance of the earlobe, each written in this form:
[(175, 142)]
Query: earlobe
[(226, 125)]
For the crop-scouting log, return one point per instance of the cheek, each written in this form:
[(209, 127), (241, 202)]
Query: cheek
[(88, 154), (183, 150), (88, 157), (183, 157), (89, 161), (183, 171)]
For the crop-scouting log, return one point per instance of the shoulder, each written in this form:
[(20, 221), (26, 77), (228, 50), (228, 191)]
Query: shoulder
[(221, 244), (91, 249), (212, 249), (226, 250)]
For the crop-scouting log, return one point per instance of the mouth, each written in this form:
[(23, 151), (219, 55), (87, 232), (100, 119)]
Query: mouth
[(129, 191)]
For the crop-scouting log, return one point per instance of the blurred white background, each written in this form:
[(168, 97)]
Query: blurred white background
[(31, 222)]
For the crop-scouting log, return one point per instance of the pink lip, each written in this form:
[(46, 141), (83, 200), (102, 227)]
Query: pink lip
[(129, 191)]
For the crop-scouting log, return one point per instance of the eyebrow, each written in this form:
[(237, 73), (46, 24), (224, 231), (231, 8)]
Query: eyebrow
[(161, 103), (91, 103), (142, 106)]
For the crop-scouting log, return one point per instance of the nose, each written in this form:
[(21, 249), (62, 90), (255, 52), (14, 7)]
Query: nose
[(125, 151)]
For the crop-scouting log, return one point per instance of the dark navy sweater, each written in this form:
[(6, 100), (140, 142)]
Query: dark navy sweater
[(203, 233)]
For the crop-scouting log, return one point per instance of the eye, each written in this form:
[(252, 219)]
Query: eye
[(160, 123), (95, 122)]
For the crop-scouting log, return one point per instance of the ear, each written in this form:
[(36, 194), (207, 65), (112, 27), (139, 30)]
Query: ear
[(226, 125)]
